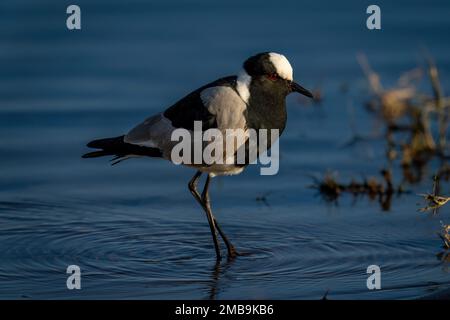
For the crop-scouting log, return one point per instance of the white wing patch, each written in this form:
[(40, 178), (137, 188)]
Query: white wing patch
[(226, 105), (282, 65)]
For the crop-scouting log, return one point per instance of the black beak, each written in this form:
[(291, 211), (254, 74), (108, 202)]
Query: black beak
[(298, 88)]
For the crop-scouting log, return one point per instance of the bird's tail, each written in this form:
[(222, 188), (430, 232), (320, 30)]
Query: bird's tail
[(119, 149)]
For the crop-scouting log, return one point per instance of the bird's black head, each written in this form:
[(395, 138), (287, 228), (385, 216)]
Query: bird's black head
[(272, 72)]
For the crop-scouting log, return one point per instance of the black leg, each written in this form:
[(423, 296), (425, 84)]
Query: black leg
[(193, 188), (232, 253)]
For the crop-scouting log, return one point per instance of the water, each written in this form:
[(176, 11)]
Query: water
[(134, 229)]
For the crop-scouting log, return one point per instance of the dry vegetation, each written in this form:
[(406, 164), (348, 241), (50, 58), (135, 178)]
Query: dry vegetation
[(374, 188), (445, 235), (409, 116), (415, 131), (434, 199)]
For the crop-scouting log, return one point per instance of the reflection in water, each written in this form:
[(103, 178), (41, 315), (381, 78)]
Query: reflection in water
[(214, 281), (444, 257), (138, 252), (218, 271)]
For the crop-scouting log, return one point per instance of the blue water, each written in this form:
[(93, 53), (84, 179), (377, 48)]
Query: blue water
[(134, 229)]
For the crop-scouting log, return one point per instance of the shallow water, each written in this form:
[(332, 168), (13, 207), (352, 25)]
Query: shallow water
[(134, 229)]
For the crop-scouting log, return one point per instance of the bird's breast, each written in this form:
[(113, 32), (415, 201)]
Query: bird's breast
[(264, 116)]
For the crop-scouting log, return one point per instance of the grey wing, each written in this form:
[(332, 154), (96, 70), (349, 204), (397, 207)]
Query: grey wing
[(215, 107), (227, 107), (154, 132)]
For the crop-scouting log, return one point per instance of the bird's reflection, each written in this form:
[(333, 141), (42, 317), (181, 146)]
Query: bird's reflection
[(218, 270)]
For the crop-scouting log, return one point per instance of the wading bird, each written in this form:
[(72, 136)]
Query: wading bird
[(254, 99)]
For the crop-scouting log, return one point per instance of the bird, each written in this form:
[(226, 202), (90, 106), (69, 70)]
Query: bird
[(254, 98)]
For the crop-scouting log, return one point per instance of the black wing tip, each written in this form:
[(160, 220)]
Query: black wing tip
[(91, 144), (106, 142), (120, 149), (94, 154)]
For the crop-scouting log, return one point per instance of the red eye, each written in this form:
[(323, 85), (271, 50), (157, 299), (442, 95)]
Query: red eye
[(272, 76)]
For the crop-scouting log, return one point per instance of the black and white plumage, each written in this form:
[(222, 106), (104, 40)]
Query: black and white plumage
[(255, 99)]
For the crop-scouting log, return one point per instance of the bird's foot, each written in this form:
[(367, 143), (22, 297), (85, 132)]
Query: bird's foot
[(232, 253)]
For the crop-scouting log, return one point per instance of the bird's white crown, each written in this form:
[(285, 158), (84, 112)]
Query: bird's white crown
[(282, 65)]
